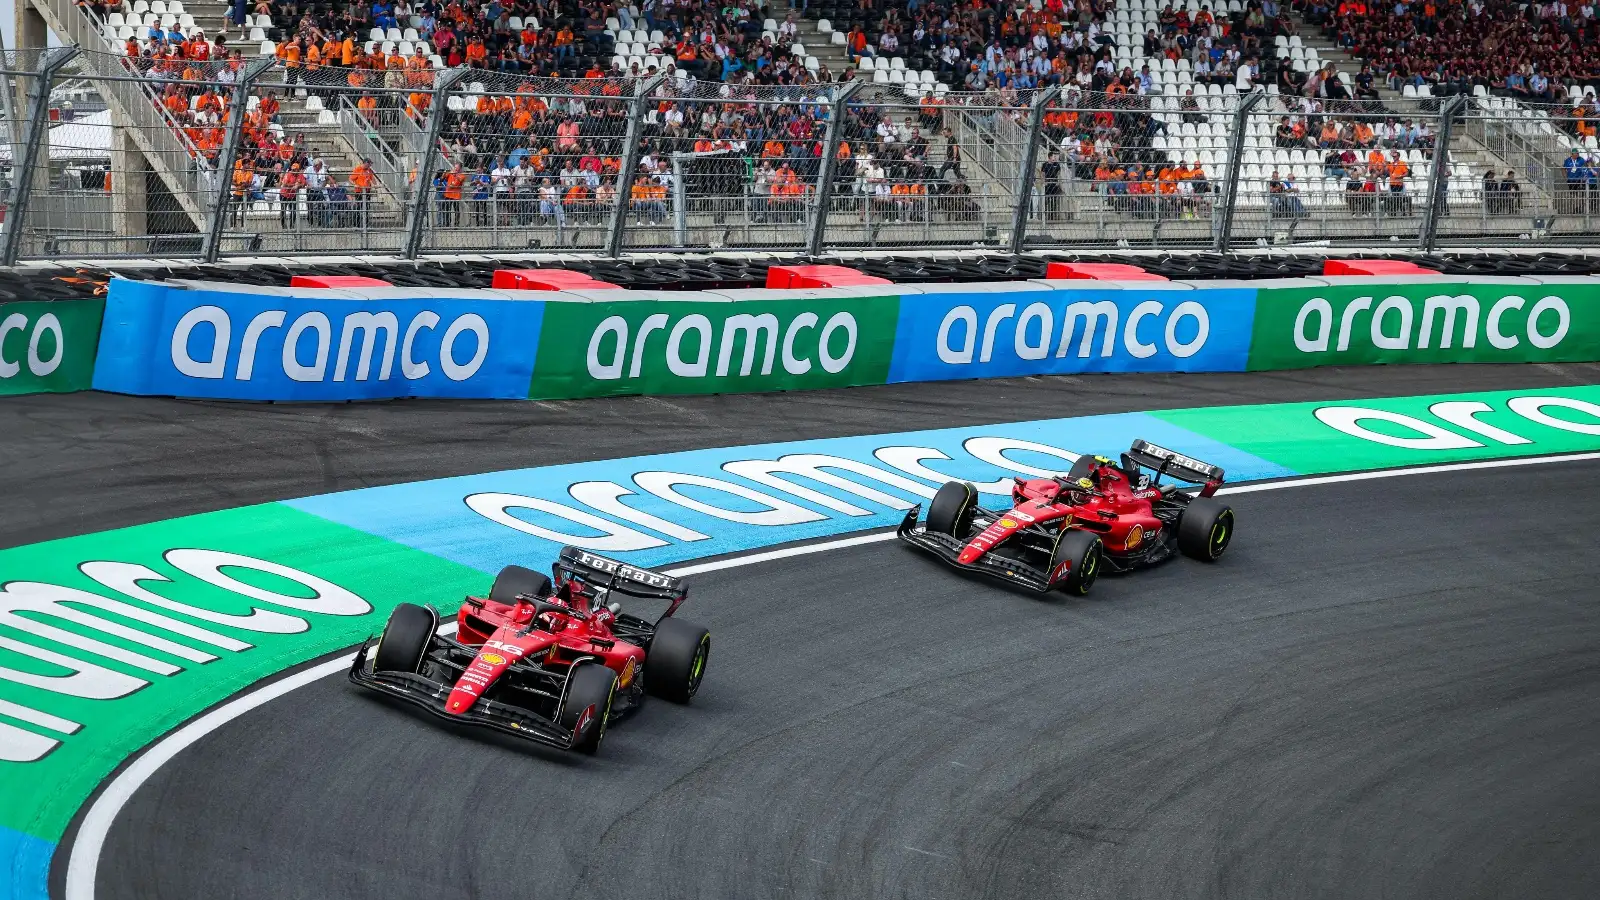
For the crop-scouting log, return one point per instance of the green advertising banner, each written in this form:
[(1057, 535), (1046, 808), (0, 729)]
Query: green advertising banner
[(706, 346), (1425, 323), (109, 640), (48, 345)]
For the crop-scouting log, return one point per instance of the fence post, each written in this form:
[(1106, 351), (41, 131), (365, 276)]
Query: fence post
[(1030, 162), (630, 162), (1437, 179), (831, 137), (417, 210), (22, 173), (228, 153), (1230, 183)]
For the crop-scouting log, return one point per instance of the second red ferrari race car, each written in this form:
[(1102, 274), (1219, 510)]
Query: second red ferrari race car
[(1062, 532), (553, 663)]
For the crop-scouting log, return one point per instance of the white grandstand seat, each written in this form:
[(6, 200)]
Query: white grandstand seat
[(115, 20), (406, 48), (140, 7), (897, 76), (426, 50), (388, 48), (393, 36), (375, 34), (186, 21), (410, 34), (612, 24), (370, 47), (812, 64), (169, 21), (314, 103), (824, 26), (837, 39), (880, 76), (896, 63), (769, 24), (327, 117), (797, 49), (867, 64), (159, 7)]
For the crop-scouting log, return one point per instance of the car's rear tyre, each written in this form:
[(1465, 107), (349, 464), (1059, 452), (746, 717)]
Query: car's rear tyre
[(405, 639), (951, 510), (676, 661), (517, 580), (590, 685), (1080, 551), (1205, 528)]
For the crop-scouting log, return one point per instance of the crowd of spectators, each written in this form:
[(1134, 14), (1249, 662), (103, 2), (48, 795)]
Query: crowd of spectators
[(1527, 50)]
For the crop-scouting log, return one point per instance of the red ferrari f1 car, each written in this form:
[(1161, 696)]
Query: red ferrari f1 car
[(550, 663), (1062, 532)]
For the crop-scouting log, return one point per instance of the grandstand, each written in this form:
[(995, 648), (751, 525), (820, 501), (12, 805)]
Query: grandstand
[(525, 125)]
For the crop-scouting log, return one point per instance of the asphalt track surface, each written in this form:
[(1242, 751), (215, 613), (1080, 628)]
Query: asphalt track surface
[(1388, 688)]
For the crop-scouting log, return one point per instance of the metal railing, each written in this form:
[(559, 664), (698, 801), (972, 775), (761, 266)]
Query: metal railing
[(479, 161)]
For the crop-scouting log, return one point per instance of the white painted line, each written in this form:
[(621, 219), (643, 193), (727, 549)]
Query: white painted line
[(84, 864)]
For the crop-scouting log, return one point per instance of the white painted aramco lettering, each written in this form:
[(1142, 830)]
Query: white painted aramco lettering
[(1423, 434), (30, 608)]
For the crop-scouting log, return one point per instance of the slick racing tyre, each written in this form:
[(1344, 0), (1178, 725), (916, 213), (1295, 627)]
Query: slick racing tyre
[(589, 685), (1080, 551), (1205, 528), (676, 660), (951, 510), (405, 639), (515, 580)]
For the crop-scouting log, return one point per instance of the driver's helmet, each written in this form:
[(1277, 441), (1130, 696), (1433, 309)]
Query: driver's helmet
[(1082, 490)]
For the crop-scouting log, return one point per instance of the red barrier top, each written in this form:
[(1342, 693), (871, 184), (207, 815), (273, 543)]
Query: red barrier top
[(1374, 267), (337, 281), (1100, 271), (545, 280), (819, 277)]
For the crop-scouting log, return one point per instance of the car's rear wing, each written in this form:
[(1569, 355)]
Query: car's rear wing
[(599, 571), (1170, 462)]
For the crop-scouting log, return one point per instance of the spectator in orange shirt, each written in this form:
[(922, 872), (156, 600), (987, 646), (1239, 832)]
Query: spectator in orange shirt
[(450, 211), (361, 183)]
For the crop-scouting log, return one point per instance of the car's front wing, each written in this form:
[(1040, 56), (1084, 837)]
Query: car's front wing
[(948, 549), (431, 695)]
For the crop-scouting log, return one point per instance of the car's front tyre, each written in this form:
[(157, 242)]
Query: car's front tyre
[(952, 507), (406, 639), (591, 685), (1079, 551)]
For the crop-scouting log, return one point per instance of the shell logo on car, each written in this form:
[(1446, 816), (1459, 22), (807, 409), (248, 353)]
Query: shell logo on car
[(493, 659)]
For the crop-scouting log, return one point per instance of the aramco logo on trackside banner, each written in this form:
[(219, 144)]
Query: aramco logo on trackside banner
[(1062, 332), (276, 346), (306, 345), (1469, 322), (48, 345), (656, 346)]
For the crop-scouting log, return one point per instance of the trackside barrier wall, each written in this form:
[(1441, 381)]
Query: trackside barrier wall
[(48, 345), (196, 339)]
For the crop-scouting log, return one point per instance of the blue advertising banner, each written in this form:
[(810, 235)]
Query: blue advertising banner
[(238, 345), (1060, 332)]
